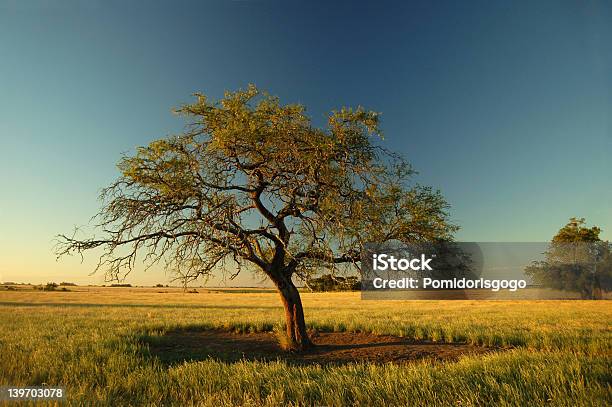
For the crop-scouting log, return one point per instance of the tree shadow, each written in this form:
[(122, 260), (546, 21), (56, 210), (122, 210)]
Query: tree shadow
[(341, 348)]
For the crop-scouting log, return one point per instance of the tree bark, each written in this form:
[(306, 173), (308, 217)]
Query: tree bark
[(296, 334)]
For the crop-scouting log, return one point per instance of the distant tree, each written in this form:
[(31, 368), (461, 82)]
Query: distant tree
[(49, 287), (67, 283), (329, 282), (253, 182), (576, 260)]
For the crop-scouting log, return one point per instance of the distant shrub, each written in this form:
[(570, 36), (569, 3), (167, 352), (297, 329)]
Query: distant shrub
[(328, 282), (67, 283), (159, 285), (121, 285), (48, 287)]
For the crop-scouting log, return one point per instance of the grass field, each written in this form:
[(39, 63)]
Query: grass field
[(91, 341)]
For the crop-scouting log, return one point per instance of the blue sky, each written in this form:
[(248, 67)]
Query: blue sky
[(504, 106)]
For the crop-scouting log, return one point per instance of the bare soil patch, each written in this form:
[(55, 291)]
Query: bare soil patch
[(332, 348)]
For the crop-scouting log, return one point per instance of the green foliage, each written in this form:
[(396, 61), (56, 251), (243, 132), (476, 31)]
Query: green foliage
[(576, 231), (253, 182), (577, 260)]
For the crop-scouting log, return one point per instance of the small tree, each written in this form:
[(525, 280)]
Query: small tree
[(576, 260), (254, 183)]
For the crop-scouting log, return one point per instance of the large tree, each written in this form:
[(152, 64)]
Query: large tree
[(251, 182), (576, 260)]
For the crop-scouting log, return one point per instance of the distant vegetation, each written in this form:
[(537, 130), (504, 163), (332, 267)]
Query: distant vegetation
[(121, 285), (329, 282), (577, 260), (50, 287), (67, 283)]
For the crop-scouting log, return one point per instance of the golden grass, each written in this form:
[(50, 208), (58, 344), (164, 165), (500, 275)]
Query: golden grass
[(91, 341)]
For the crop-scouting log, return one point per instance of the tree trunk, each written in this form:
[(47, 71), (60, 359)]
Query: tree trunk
[(296, 335), (592, 290)]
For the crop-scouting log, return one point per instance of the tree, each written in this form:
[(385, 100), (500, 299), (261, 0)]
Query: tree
[(576, 260), (252, 183)]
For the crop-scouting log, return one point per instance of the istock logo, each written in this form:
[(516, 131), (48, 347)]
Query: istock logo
[(382, 262)]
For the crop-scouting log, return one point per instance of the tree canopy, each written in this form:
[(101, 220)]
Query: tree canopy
[(576, 260)]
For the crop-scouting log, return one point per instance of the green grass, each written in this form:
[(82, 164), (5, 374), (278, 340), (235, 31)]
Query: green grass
[(91, 343)]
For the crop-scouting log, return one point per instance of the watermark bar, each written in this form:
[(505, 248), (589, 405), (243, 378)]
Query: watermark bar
[(486, 270)]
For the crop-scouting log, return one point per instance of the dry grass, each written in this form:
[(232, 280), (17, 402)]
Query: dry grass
[(91, 342)]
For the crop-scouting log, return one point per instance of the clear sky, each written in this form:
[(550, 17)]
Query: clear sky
[(504, 106)]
